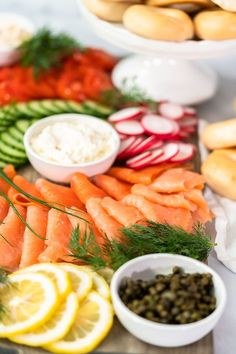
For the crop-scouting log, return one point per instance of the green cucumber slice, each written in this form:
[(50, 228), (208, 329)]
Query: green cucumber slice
[(15, 133), (75, 107), (9, 159), (50, 107), (10, 151), (9, 140), (97, 109), (22, 125), (24, 111), (37, 109)]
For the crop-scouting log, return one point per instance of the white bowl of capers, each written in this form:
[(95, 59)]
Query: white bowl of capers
[(168, 300)]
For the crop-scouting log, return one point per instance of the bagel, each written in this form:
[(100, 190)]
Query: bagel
[(228, 5), (220, 135), (219, 169), (215, 25), (166, 3), (158, 23), (106, 10)]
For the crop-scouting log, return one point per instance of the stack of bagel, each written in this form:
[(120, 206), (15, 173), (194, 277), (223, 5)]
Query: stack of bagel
[(170, 20), (219, 168)]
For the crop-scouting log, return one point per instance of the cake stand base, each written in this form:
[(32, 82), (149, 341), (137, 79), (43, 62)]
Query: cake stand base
[(183, 81)]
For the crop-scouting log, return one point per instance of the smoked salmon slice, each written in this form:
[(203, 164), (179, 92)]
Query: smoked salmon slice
[(203, 213), (176, 200), (19, 198), (56, 194), (84, 189), (177, 180), (106, 224), (33, 246), (58, 237), (11, 238), (9, 170), (158, 213), (85, 223), (112, 186), (124, 214), (4, 206), (145, 176)]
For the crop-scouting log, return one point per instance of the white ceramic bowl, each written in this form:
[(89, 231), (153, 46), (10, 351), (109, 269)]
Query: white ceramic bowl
[(9, 55), (164, 335), (62, 173)]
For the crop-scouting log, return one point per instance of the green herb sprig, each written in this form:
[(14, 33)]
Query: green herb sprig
[(139, 240), (46, 49)]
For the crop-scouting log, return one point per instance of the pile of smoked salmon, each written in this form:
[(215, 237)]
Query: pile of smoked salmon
[(166, 194)]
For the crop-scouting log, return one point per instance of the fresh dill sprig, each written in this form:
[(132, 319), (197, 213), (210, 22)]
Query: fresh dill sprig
[(45, 50), (139, 240), (128, 95)]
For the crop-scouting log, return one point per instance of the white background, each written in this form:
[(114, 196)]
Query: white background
[(64, 15)]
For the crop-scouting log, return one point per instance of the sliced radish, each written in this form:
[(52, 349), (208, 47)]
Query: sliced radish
[(129, 127), (132, 149), (169, 151), (171, 110), (146, 159), (186, 122), (186, 152), (184, 135), (123, 136), (190, 111), (189, 129), (159, 126), (148, 143), (125, 145), (127, 114), (138, 158)]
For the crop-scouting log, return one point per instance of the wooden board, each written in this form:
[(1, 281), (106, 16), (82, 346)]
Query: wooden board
[(119, 341)]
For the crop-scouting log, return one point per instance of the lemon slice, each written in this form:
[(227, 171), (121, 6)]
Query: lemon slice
[(93, 322), (80, 279), (29, 300), (54, 329), (57, 274), (99, 283)]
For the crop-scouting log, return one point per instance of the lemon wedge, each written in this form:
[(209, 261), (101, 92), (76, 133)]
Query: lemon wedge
[(80, 279), (93, 322), (99, 283), (29, 301), (57, 274), (54, 329)]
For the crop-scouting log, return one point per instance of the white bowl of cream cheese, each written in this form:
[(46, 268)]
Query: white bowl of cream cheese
[(14, 29), (60, 145)]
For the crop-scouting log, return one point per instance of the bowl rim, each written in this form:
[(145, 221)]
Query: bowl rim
[(17, 18), (74, 116), (169, 327)]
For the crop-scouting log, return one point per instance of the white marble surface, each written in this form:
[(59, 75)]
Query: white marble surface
[(64, 15)]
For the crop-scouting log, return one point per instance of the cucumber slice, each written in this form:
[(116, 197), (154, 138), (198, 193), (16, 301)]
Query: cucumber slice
[(50, 107), (2, 164), (23, 110), (15, 133), (61, 106), (97, 109), (9, 140), (14, 153), (37, 109), (9, 159), (22, 125), (75, 107)]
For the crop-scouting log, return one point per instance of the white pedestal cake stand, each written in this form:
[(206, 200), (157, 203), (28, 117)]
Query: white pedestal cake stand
[(163, 70)]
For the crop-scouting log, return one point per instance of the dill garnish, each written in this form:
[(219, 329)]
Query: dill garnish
[(45, 50), (139, 240)]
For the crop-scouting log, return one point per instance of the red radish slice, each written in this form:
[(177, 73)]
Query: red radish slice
[(189, 111), (186, 122), (145, 161), (171, 110), (175, 132), (159, 126), (169, 151), (138, 158), (186, 152), (132, 149), (123, 136), (148, 143), (127, 114), (129, 127), (125, 145), (184, 135), (189, 129)]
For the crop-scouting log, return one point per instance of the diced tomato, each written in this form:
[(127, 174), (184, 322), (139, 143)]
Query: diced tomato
[(100, 59)]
